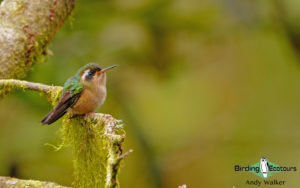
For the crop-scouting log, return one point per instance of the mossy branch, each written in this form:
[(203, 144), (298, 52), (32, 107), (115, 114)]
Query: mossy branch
[(8, 84), (15, 183), (53, 92), (96, 142), (26, 29)]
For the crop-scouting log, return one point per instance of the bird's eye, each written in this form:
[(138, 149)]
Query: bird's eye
[(91, 73)]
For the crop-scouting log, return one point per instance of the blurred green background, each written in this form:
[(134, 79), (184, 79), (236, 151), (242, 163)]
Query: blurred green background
[(201, 86)]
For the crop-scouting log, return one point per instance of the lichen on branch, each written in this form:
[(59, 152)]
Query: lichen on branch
[(9, 182), (26, 29)]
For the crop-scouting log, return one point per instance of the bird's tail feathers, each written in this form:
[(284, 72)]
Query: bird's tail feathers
[(52, 117)]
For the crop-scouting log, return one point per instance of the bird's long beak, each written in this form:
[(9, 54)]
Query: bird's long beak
[(106, 69)]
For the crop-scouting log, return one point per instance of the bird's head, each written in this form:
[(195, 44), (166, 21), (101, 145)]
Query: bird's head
[(263, 160), (91, 74)]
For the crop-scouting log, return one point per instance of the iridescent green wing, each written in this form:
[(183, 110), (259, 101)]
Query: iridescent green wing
[(73, 85), (71, 93)]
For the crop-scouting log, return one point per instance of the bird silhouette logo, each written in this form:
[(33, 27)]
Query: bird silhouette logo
[(264, 167)]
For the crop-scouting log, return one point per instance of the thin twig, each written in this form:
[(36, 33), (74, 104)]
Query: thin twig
[(124, 155)]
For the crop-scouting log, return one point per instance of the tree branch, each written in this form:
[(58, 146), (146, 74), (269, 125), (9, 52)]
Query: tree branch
[(12, 83), (26, 29), (52, 92), (15, 183)]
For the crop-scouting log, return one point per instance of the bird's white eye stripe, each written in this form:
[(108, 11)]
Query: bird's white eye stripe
[(85, 73)]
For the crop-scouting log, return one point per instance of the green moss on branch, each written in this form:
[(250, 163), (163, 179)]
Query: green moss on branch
[(97, 146)]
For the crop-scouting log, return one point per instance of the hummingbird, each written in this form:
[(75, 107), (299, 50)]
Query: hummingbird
[(81, 94)]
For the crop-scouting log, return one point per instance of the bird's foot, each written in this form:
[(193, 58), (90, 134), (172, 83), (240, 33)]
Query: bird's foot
[(75, 115), (87, 115)]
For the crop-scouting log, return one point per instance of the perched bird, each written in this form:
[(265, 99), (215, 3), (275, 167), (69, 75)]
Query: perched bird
[(82, 93)]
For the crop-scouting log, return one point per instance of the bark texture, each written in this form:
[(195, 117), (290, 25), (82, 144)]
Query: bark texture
[(26, 29)]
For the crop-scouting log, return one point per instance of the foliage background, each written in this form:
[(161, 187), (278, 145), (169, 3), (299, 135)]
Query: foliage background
[(201, 86)]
